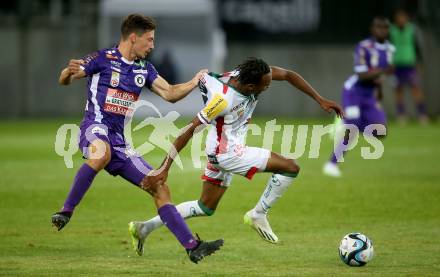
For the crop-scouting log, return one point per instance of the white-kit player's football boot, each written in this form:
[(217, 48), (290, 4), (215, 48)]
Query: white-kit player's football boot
[(261, 225), (137, 239), (332, 170)]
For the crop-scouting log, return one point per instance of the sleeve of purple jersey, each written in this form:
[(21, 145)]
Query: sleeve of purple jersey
[(91, 63), (152, 75), (361, 60)]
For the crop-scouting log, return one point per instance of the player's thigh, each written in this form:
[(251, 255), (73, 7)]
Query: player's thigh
[(352, 105), (280, 164), (95, 144), (134, 170), (211, 194), (245, 162), (99, 154)]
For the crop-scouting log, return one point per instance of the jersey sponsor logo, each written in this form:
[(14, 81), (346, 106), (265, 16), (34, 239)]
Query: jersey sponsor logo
[(140, 63), (238, 106), (241, 107), (139, 80), (114, 81), (374, 57), (115, 69), (239, 150), (140, 71), (215, 107), (120, 102), (98, 130), (352, 112), (115, 63)]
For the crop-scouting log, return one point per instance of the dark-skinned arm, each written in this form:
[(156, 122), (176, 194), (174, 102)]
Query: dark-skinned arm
[(161, 174)]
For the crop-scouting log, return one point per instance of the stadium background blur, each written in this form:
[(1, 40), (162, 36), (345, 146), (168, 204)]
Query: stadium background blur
[(394, 200), (316, 38)]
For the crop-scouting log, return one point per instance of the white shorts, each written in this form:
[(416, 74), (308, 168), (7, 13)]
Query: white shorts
[(220, 168)]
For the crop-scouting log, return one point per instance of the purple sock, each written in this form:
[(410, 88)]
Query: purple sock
[(175, 223), (333, 159), (400, 107), (338, 151), (81, 184)]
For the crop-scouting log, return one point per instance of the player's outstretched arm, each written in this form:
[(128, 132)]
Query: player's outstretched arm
[(173, 93), (296, 80), (71, 72), (160, 175)]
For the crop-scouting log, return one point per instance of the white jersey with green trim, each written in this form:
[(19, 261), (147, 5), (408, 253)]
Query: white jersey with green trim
[(228, 111)]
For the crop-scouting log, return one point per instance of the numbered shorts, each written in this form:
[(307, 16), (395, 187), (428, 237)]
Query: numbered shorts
[(220, 168), (361, 108), (124, 162)]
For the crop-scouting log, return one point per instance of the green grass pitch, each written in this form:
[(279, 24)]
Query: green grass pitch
[(394, 200)]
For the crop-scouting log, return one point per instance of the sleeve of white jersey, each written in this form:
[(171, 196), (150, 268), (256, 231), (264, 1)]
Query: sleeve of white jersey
[(217, 104)]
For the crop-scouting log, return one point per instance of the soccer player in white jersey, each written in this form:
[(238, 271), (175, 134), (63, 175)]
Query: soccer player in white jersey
[(230, 100)]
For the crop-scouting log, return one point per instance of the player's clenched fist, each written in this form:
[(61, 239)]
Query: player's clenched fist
[(75, 66), (198, 76), (72, 71)]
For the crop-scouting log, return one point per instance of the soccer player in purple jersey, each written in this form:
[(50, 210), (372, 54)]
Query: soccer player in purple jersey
[(372, 60), (116, 77)]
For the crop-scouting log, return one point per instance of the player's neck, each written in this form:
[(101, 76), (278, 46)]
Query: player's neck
[(125, 50), (236, 85)]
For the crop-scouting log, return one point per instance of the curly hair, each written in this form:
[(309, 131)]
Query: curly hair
[(252, 70)]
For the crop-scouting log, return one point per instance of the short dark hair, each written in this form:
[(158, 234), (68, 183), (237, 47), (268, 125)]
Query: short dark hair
[(252, 70), (136, 23), (380, 18)]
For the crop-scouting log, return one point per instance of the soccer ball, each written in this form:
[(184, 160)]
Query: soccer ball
[(356, 249)]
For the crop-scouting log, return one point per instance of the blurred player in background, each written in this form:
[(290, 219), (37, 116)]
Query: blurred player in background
[(116, 77), (407, 61), (372, 60), (230, 100)]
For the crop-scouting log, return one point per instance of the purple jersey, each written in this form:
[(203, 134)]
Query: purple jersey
[(114, 86), (369, 54)]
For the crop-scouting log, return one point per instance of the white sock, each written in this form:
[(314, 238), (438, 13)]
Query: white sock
[(186, 209), (275, 188)]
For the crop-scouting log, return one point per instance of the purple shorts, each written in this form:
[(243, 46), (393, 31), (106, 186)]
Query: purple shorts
[(124, 162), (406, 75), (361, 107)]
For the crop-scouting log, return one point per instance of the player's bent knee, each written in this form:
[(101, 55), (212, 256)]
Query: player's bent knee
[(293, 167), (154, 190), (208, 209), (99, 155), (99, 164)]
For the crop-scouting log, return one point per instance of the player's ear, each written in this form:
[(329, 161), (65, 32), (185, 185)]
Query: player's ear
[(132, 37), (250, 87)]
